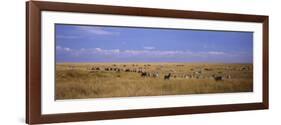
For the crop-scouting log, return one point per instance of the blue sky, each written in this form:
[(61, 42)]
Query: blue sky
[(77, 43)]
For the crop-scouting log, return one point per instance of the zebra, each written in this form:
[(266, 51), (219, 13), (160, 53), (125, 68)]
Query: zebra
[(167, 77), (155, 75), (218, 78), (144, 74)]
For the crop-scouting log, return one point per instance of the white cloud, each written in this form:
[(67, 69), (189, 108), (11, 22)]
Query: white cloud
[(136, 52), (65, 49), (67, 36), (216, 53), (156, 52), (98, 49), (96, 30), (149, 47), (140, 53)]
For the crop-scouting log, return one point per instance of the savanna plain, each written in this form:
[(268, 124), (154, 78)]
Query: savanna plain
[(104, 80)]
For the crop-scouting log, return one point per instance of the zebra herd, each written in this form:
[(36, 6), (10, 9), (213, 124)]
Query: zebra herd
[(166, 76)]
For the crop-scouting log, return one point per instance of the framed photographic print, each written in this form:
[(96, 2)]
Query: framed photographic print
[(94, 62)]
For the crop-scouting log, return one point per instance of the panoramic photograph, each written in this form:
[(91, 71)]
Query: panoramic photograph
[(111, 61)]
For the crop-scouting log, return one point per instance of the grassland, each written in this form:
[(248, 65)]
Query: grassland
[(84, 80)]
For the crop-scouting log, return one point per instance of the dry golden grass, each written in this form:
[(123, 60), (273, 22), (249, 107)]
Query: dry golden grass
[(76, 81)]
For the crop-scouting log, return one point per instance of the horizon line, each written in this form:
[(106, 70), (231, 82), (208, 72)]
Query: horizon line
[(167, 62)]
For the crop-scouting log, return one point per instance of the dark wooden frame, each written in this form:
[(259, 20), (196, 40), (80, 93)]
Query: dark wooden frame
[(33, 61)]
